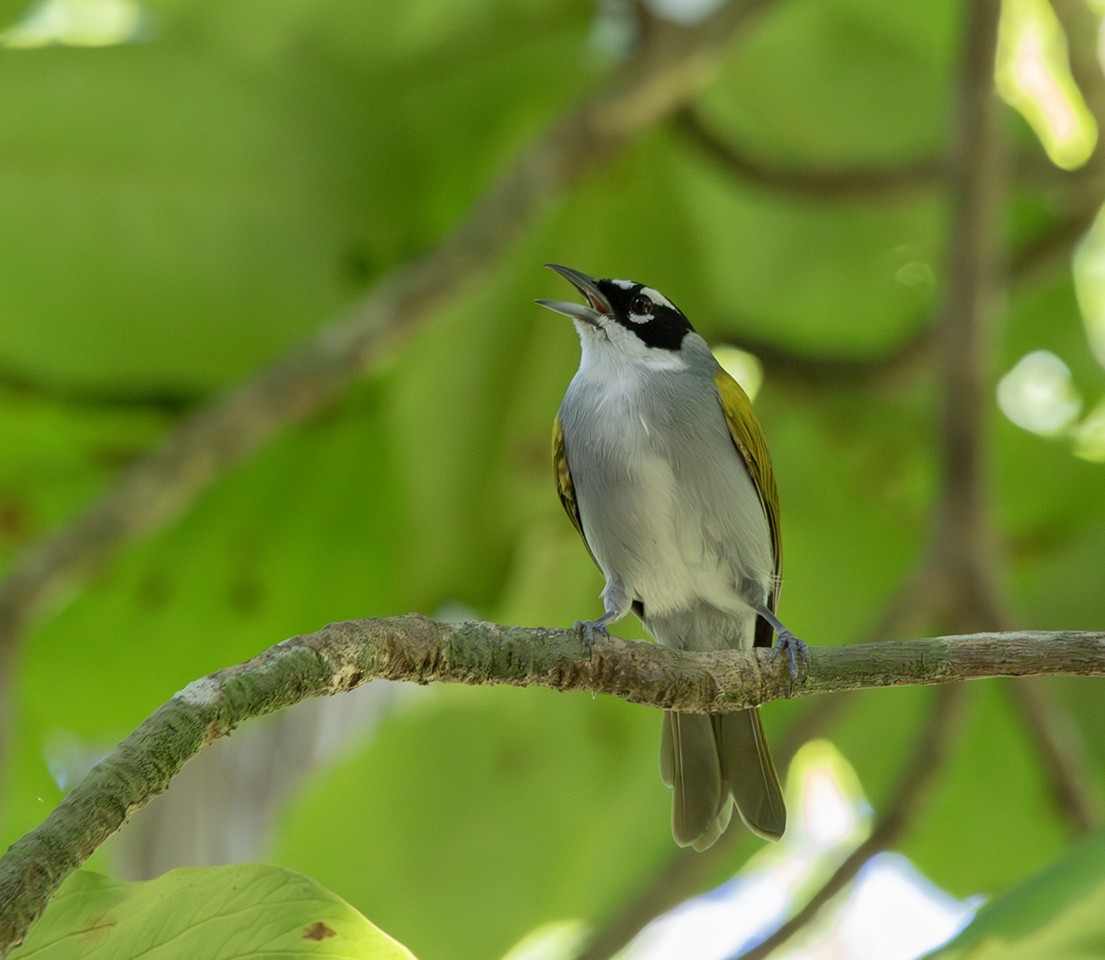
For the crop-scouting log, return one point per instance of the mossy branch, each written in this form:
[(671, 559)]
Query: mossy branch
[(345, 655)]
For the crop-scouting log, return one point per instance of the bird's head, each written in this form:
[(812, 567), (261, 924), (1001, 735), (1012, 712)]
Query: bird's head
[(624, 319)]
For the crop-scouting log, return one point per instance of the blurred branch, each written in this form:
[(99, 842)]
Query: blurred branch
[(817, 183), (963, 541), (663, 73), (1061, 746), (1050, 246), (906, 803), (1055, 244), (818, 371), (864, 182), (343, 656), (169, 402)]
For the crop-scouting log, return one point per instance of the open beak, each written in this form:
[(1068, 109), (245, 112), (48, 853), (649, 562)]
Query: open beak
[(597, 305)]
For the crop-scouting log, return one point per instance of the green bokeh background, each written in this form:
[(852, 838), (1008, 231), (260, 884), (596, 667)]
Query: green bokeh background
[(176, 212)]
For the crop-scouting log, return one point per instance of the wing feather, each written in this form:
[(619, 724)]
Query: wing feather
[(564, 485), (748, 437)]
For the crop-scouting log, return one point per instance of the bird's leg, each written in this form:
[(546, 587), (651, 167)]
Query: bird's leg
[(785, 640), (587, 630), (616, 601)]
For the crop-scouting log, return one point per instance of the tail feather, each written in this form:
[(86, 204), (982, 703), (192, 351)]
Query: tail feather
[(713, 761), (748, 773), (667, 750), (710, 761), (700, 798)]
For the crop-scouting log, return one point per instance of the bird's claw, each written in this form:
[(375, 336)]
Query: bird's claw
[(795, 649), (588, 630)]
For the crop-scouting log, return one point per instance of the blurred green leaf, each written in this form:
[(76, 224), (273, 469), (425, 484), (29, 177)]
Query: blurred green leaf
[(799, 116), (12, 10), (177, 212), (1058, 913)]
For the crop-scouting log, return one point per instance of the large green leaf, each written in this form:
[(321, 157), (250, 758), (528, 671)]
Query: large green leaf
[(219, 913)]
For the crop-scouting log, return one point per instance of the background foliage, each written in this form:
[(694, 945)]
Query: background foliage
[(182, 206)]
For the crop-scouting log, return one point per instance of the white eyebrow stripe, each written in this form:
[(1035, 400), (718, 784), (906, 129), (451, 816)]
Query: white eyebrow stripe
[(657, 297), (624, 284)]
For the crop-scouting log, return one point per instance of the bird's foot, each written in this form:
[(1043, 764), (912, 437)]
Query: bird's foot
[(795, 649), (589, 630)]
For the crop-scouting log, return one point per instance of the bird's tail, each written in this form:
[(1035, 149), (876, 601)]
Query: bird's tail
[(712, 761)]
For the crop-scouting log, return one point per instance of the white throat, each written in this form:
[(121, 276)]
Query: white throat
[(617, 356)]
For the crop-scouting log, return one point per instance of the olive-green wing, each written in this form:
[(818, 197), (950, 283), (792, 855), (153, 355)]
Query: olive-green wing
[(748, 438), (564, 482)]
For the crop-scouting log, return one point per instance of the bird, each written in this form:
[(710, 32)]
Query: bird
[(663, 468)]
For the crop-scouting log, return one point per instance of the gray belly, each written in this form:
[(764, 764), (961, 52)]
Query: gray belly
[(679, 523)]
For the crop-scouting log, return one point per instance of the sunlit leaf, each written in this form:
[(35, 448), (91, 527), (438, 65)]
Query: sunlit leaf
[(1033, 75)]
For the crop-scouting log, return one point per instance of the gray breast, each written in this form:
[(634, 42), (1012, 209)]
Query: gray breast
[(666, 503)]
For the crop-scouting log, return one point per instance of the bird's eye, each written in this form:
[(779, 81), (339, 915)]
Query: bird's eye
[(641, 305)]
